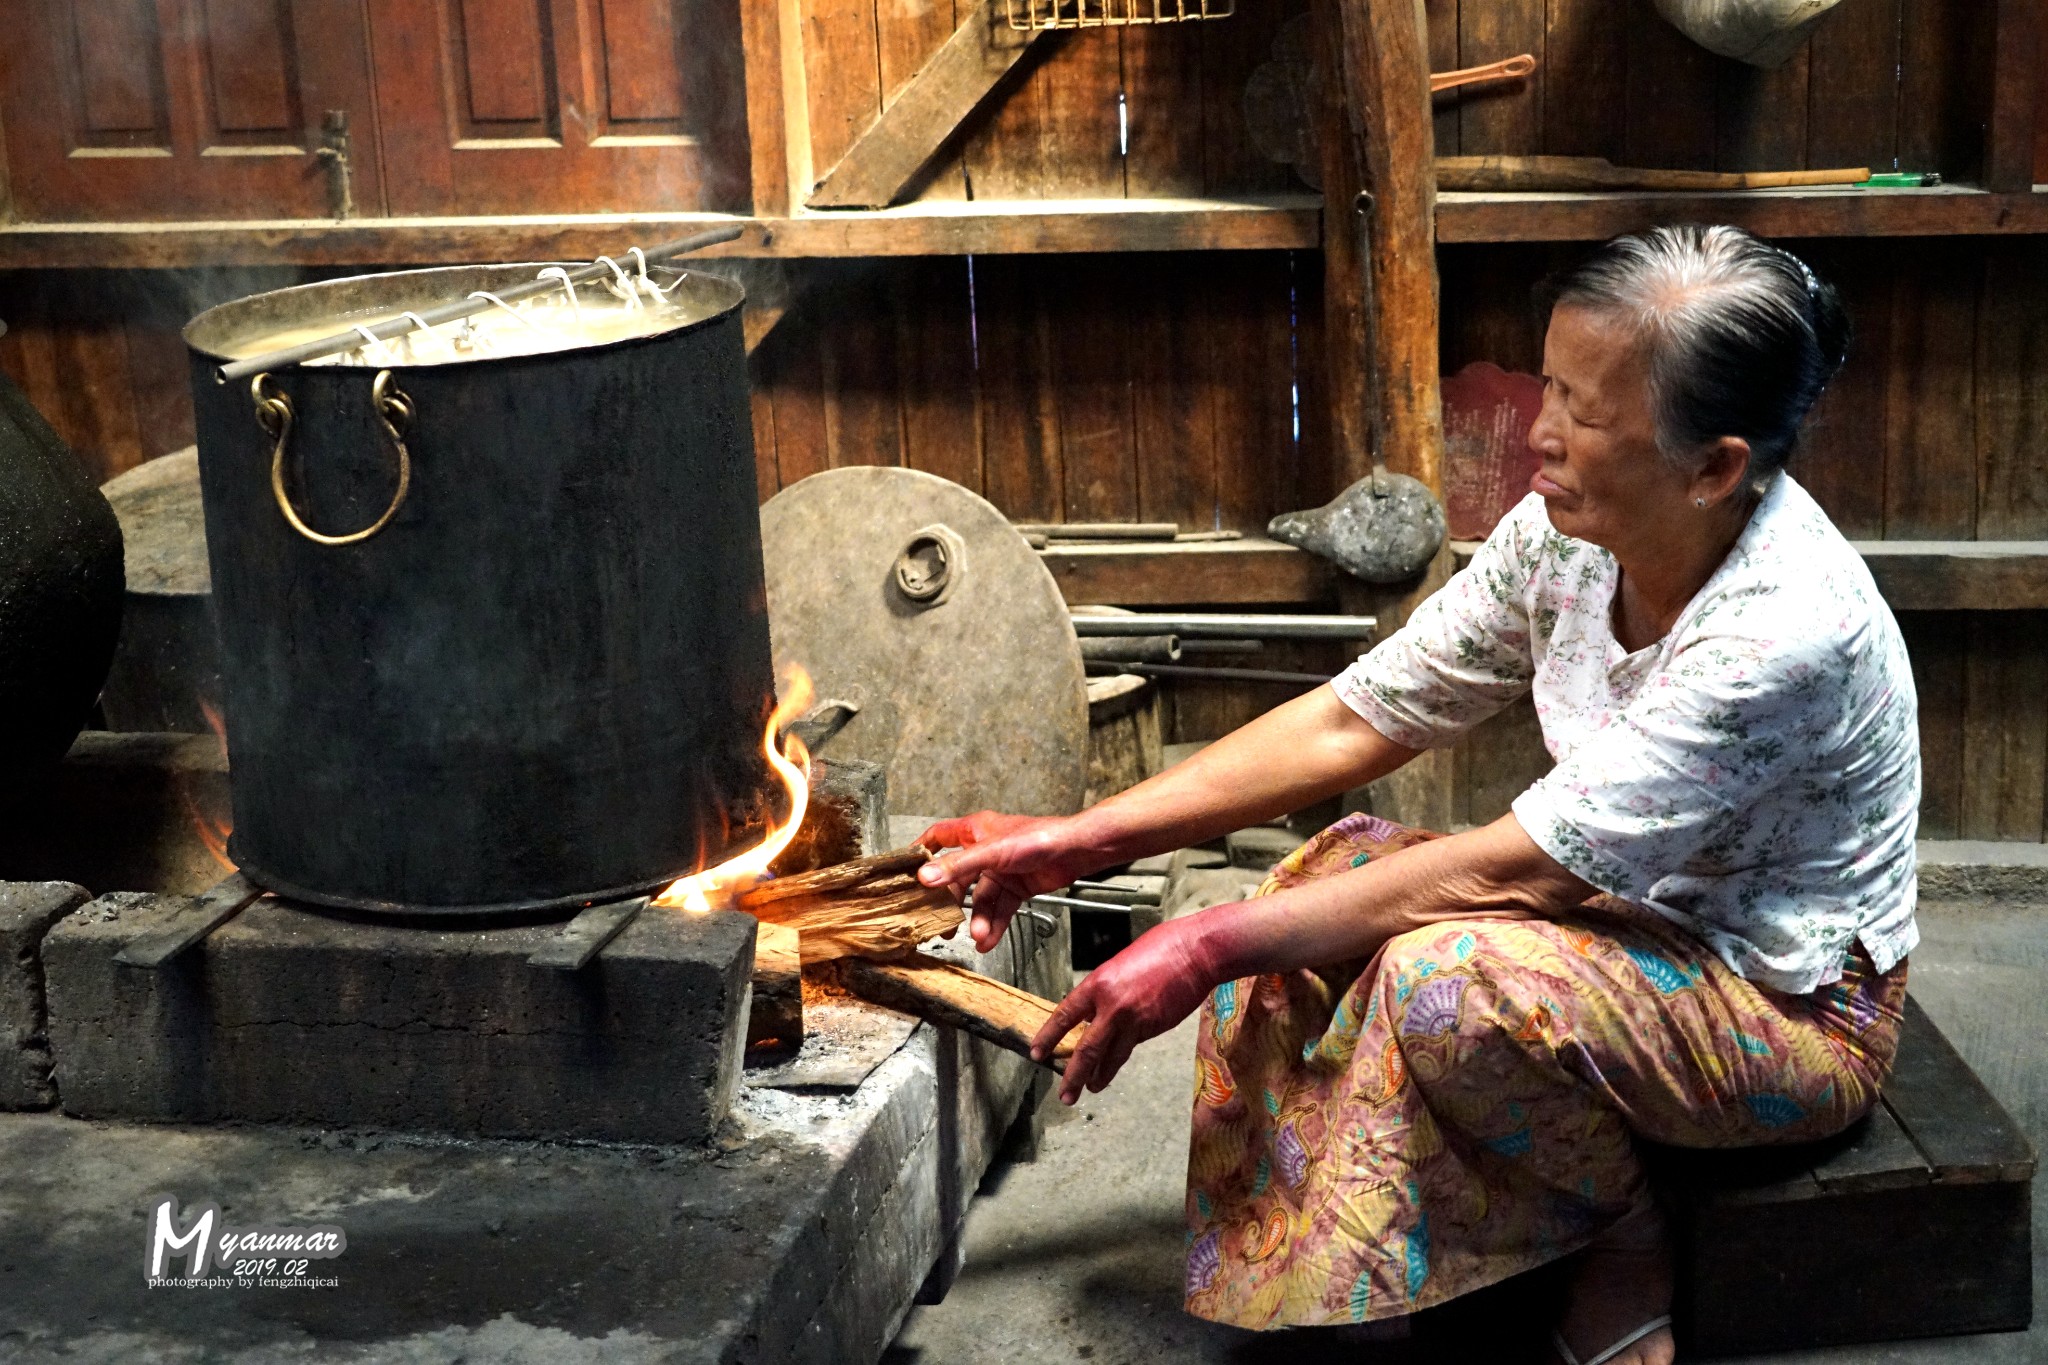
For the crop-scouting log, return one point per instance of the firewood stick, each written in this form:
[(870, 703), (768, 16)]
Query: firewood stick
[(838, 877), (946, 993), (885, 934), (902, 892)]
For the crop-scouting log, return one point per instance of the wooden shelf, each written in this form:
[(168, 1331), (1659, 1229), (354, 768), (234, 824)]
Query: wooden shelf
[(1942, 211), (1913, 575), (1220, 573), (996, 227), (1959, 575), (1937, 575), (990, 227)]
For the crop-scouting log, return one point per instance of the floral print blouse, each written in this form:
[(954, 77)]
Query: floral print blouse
[(1753, 776)]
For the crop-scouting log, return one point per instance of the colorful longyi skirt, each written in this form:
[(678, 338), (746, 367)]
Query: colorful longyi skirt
[(1379, 1137)]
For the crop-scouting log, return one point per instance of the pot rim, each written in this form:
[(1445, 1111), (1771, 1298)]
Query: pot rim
[(212, 332)]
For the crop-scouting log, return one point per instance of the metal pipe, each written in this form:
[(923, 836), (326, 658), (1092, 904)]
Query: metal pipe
[(1099, 530), (1213, 625), (1123, 895), (337, 342), (1261, 675), (1079, 904), (1153, 649)]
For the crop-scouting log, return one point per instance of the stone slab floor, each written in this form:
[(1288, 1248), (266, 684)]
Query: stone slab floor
[(1077, 1256)]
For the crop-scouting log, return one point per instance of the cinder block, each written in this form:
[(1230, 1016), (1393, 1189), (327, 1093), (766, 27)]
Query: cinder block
[(27, 910), (285, 1015)]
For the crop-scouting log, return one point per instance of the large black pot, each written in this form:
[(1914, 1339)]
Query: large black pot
[(543, 682), (60, 592)]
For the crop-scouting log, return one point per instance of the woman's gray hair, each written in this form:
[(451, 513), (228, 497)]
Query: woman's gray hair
[(1741, 335)]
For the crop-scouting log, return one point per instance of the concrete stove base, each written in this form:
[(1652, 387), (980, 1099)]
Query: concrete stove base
[(801, 1234), (284, 1015), (27, 912)]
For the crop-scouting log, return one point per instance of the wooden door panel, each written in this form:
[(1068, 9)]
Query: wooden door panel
[(155, 109), (560, 106), (646, 86), (114, 78), (501, 55), (252, 78)]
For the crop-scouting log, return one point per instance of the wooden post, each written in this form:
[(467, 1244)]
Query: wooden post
[(1374, 113), (1378, 138), (778, 110)]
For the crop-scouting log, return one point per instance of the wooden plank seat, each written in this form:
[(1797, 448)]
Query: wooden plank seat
[(1916, 1222)]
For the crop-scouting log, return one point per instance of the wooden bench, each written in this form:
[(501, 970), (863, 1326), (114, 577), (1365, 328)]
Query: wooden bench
[(1914, 1223)]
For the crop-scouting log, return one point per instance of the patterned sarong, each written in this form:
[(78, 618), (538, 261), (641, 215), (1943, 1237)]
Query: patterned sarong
[(1376, 1138)]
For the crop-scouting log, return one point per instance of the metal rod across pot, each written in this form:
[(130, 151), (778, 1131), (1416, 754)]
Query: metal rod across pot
[(337, 342)]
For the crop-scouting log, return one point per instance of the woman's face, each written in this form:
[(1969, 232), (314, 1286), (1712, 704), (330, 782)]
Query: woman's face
[(1603, 479)]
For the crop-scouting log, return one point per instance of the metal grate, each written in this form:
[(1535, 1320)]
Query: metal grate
[(1026, 15)]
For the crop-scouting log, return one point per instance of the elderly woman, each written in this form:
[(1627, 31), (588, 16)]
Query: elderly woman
[(1423, 1060)]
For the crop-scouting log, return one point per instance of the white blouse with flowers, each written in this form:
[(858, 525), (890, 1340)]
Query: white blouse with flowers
[(1753, 776)]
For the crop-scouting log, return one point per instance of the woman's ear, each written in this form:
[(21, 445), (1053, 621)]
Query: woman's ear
[(1721, 474)]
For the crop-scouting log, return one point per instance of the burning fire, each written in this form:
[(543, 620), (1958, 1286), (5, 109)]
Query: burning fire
[(792, 765), (213, 831)]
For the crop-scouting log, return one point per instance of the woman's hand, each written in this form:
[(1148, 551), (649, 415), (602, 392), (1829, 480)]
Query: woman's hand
[(1140, 993), (1005, 860)]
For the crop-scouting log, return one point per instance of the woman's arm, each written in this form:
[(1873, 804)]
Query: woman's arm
[(1493, 872), (1293, 756)]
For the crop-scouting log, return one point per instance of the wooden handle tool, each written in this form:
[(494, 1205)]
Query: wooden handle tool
[(1507, 69), (1598, 173)]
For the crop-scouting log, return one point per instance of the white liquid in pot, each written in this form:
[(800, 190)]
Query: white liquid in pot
[(602, 311)]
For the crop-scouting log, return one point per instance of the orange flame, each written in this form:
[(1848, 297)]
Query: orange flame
[(792, 765), (213, 831)]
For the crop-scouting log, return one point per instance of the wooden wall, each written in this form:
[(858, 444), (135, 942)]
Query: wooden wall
[(1937, 427), (1065, 388), (1135, 112), (1884, 83), (98, 352)]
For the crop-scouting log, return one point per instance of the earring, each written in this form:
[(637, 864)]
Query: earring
[(1699, 502)]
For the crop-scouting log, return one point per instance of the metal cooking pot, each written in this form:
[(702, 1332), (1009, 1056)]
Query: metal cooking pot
[(493, 632)]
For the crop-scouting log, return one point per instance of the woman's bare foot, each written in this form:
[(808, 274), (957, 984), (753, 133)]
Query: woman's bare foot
[(1621, 1282)]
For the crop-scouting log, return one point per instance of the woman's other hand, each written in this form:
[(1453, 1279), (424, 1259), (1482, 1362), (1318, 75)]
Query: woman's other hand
[(1004, 860), (1140, 993)]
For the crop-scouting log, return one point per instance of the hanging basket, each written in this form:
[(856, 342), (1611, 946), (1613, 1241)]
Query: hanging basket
[(1027, 15)]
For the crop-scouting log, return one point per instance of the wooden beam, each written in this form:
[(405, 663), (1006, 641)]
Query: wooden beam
[(2009, 130), (887, 157), (983, 227), (1562, 216)]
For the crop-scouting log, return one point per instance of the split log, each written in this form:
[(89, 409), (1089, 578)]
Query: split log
[(868, 907), (947, 993), (838, 877), (890, 926)]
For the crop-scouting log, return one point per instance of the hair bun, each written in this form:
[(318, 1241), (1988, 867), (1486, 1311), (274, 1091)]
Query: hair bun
[(1831, 329)]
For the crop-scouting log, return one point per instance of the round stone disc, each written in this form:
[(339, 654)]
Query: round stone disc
[(915, 599), (163, 528)]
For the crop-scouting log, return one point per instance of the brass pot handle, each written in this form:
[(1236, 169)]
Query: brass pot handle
[(274, 415)]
